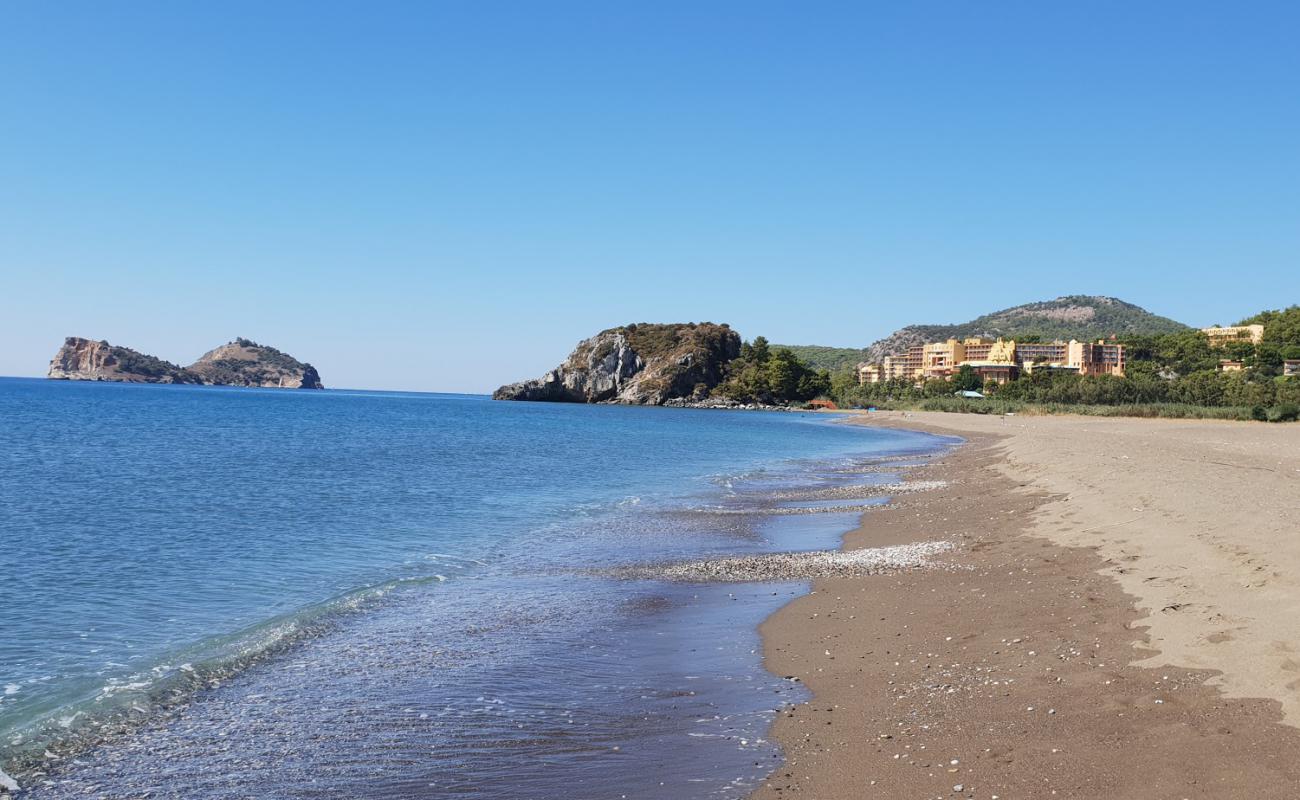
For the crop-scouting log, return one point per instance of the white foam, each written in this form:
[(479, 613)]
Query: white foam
[(12, 688), (113, 687), (797, 565), (7, 783)]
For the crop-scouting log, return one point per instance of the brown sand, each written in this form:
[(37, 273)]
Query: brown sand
[(1122, 623)]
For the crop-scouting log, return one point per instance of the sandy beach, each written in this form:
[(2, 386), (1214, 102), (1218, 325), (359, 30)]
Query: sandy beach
[(1116, 618)]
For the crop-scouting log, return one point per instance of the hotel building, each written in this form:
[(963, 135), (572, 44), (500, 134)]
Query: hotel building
[(1253, 334), (998, 360)]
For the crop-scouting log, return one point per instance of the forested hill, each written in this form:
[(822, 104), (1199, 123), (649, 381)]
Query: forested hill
[(1072, 317), (831, 359)]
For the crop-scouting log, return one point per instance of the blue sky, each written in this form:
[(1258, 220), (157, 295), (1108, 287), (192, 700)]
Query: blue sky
[(448, 195)]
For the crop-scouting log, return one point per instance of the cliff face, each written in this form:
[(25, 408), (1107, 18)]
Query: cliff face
[(240, 363), (247, 363), (900, 340), (88, 360), (636, 364)]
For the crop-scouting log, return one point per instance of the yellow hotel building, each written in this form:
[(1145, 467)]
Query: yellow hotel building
[(999, 360), (1238, 333)]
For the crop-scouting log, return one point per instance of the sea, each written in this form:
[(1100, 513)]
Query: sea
[(213, 592)]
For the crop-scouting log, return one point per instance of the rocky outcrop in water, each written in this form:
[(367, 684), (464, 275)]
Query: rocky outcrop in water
[(89, 360), (239, 363), (638, 364), (246, 363)]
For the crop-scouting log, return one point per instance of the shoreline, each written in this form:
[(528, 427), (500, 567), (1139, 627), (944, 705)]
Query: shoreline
[(1030, 667), (730, 700)]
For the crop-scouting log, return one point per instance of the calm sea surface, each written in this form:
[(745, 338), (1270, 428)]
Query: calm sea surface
[(216, 593)]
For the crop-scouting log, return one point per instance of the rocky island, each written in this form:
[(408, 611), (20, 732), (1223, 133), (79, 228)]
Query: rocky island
[(639, 364), (241, 362), (90, 360), (247, 363)]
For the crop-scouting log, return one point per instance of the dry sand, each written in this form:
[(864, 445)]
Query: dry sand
[(1122, 622)]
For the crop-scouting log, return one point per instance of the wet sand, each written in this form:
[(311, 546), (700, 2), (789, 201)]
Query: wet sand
[(1116, 620)]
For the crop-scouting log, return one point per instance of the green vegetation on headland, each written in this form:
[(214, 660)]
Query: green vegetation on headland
[(830, 359), (683, 363), (1168, 375), (149, 367), (772, 377)]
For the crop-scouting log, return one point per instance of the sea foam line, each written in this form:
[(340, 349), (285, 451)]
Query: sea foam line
[(792, 566), (861, 490), (779, 511), (123, 704)]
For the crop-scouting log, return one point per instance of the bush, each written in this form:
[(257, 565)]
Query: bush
[(965, 405), (1284, 413), (763, 375), (1147, 410)]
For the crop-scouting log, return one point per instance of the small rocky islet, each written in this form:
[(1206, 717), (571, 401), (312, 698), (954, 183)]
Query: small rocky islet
[(240, 362)]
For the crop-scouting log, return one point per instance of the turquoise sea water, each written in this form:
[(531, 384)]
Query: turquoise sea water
[(211, 592)]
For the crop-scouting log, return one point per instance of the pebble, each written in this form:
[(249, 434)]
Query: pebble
[(792, 566)]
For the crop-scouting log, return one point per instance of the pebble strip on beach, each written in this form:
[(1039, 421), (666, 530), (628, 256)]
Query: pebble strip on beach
[(859, 491), (788, 512), (793, 566)]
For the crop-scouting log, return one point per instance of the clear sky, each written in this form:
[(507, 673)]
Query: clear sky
[(448, 195)]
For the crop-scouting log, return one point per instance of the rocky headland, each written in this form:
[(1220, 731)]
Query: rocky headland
[(242, 362), (639, 364)]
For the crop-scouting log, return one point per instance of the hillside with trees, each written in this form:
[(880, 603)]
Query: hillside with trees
[(762, 374), (1170, 374), (1081, 317), (827, 358)]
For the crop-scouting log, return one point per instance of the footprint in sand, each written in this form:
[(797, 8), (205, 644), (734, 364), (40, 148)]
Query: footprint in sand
[(1290, 665)]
